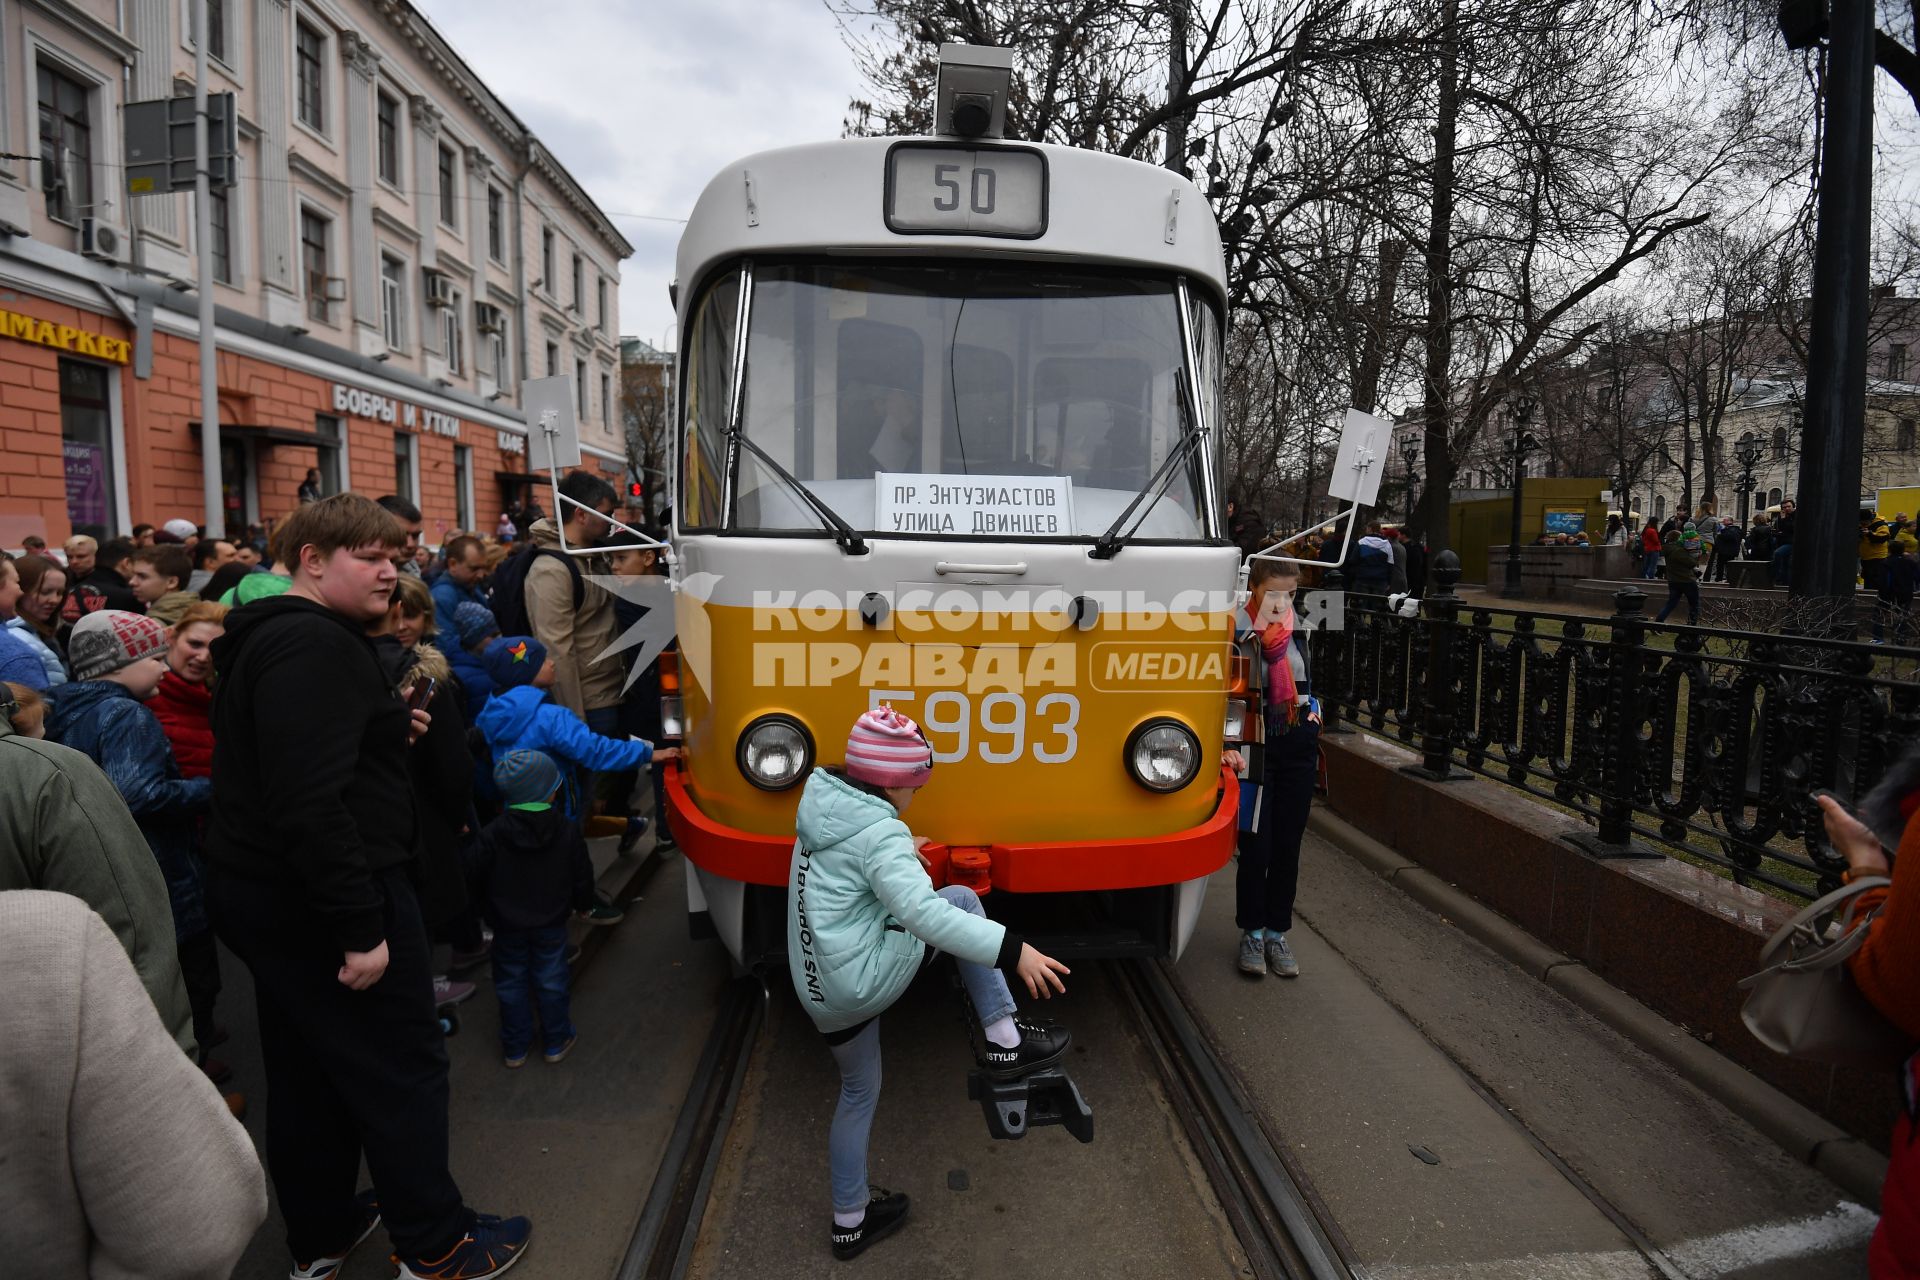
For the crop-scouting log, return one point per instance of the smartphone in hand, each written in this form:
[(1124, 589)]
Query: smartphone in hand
[(422, 693)]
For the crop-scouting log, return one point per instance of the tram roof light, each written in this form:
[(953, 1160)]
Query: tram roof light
[(972, 94)]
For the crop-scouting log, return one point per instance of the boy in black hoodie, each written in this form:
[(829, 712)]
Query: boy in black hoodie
[(532, 869), (313, 833)]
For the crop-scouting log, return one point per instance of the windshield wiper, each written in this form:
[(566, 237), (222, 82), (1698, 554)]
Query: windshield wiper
[(843, 533), (1109, 543)]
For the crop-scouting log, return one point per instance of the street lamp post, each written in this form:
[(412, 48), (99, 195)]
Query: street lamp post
[(1522, 444), (1410, 450), (1747, 454)]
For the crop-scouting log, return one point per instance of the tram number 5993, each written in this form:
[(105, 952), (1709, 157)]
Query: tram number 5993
[(981, 188), (1000, 730)]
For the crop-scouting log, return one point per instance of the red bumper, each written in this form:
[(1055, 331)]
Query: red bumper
[(1055, 867)]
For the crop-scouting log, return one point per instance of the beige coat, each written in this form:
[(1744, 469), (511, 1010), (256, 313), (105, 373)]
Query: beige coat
[(118, 1157), (576, 640)]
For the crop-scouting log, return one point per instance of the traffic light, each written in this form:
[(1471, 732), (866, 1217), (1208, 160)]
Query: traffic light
[(636, 493)]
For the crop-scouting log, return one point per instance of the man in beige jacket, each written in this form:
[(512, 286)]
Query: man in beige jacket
[(576, 634), (118, 1158)]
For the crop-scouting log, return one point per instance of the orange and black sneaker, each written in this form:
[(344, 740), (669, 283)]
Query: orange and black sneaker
[(368, 1206), (490, 1246)]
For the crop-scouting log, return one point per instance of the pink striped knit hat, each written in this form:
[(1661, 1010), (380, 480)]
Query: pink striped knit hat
[(887, 750)]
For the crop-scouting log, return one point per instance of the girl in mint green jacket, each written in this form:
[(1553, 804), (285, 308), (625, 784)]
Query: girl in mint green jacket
[(861, 915)]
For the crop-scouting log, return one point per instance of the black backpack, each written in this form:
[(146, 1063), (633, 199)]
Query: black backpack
[(509, 598)]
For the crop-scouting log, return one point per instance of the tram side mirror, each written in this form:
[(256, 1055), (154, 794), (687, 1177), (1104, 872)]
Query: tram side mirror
[(971, 99)]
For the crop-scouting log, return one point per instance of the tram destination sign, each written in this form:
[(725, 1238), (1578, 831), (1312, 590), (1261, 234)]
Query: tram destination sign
[(1013, 506), (972, 191)]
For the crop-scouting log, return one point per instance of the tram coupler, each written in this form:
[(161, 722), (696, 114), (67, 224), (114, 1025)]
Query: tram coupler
[(1043, 1097)]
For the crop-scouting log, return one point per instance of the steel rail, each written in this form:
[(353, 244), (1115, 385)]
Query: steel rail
[(1281, 1224), (661, 1246)]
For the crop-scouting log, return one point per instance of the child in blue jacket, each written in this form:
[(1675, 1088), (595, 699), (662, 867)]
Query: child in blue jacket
[(521, 717), (862, 914)]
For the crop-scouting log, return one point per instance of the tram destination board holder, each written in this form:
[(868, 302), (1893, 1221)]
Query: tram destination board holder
[(1358, 467), (553, 444), (1045, 1097)]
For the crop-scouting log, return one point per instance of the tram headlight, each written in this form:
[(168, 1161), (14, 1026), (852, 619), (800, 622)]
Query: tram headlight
[(775, 752), (673, 717), (1163, 755)]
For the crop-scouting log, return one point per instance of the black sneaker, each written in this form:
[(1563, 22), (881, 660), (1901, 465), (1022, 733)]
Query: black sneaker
[(886, 1210), (1041, 1045)]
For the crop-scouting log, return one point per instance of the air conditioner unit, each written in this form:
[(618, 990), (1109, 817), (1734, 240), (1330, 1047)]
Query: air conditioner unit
[(99, 240), (334, 288), (439, 289), (489, 318)]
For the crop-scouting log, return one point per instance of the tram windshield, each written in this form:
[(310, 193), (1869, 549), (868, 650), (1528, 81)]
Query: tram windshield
[(864, 382)]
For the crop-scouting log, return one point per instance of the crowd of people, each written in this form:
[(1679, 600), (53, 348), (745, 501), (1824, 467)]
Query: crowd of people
[(365, 767)]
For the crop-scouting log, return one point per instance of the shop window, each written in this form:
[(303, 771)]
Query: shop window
[(66, 145), (403, 467), (463, 487), (449, 197), (327, 455), (309, 51), (393, 301), (389, 138), (86, 442)]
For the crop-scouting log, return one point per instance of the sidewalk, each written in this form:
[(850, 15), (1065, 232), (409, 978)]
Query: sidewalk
[(1560, 1147)]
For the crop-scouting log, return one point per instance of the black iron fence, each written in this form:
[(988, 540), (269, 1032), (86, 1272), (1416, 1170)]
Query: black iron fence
[(1689, 740)]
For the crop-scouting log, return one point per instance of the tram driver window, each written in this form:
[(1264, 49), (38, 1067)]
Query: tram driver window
[(879, 379), (1091, 418)]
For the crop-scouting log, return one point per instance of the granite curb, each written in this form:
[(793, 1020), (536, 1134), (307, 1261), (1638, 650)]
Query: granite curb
[(1850, 1163)]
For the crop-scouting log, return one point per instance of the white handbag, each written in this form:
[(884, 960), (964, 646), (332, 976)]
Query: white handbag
[(1804, 1003)]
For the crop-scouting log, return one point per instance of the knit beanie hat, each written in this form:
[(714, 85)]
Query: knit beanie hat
[(887, 750), (526, 777), (106, 641), (513, 661), (474, 622)]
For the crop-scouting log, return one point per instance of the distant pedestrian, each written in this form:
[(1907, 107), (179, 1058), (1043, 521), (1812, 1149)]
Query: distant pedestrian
[(412, 524), (310, 487), (104, 584), (208, 555), (533, 872), (464, 580), (1726, 548), (1783, 545), (117, 1158), (1650, 544), (1682, 553), (159, 571), (309, 857), (1760, 540)]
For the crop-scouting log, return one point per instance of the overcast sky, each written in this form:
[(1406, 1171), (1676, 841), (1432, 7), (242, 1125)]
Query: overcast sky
[(645, 102)]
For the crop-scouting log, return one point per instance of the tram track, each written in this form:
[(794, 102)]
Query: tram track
[(662, 1243), (1282, 1225)]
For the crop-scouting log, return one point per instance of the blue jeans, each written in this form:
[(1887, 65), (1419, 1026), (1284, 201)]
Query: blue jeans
[(859, 1062), (1783, 565), (1650, 566), (529, 967), (1678, 591)]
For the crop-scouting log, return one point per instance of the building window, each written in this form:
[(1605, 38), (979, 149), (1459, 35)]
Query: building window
[(1773, 497), (389, 138), (393, 301), (66, 145), (313, 260), (553, 360), (86, 443), (606, 399), (449, 200), (579, 303), (217, 29), (1897, 362), (580, 388), (546, 262), (454, 331), (309, 49), (1779, 443), (600, 294), (221, 241), (498, 347), (1660, 507), (496, 225), (326, 458), (1904, 436), (403, 477), (463, 487)]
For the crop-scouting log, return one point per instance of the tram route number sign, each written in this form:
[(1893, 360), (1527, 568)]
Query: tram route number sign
[(939, 505), (966, 191)]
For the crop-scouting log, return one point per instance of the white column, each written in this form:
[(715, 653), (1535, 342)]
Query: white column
[(271, 67), (363, 64)]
